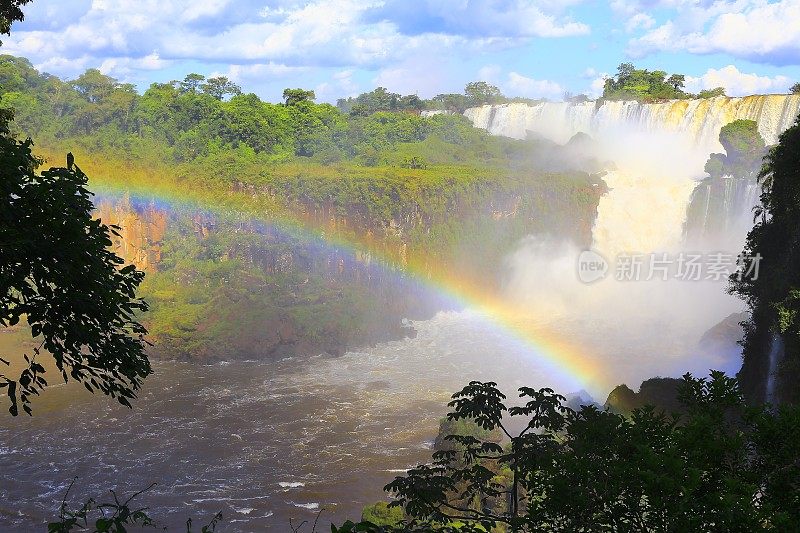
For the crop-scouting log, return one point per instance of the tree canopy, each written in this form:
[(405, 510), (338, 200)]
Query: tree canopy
[(711, 93), (631, 83), (295, 96), (480, 93), (744, 150), (11, 12)]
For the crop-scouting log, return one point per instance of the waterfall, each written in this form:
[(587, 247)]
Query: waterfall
[(775, 356), (660, 150), (721, 212), (625, 222), (699, 120)]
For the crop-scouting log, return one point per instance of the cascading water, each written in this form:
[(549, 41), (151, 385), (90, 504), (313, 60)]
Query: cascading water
[(721, 211), (660, 150), (625, 222), (699, 120), (775, 356)]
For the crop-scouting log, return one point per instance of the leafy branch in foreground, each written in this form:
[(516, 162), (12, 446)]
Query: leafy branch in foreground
[(112, 516), (57, 272), (718, 465)]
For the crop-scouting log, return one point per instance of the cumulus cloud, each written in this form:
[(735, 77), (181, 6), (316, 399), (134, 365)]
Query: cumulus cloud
[(639, 20), (482, 18), (519, 85), (340, 85), (516, 84), (337, 34), (749, 29), (737, 83), (598, 84), (424, 75), (490, 73), (259, 71)]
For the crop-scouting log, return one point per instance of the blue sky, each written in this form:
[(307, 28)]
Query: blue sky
[(533, 48)]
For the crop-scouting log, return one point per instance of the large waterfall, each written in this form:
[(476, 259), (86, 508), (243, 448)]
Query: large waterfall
[(659, 149), (698, 120)]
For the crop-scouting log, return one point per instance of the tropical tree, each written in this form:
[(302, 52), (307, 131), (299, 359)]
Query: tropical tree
[(641, 84), (58, 274), (293, 97), (676, 81), (480, 93), (219, 87), (192, 83), (592, 470), (711, 93), (10, 12)]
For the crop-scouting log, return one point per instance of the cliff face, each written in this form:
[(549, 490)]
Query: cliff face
[(229, 286), (721, 211), (140, 232)]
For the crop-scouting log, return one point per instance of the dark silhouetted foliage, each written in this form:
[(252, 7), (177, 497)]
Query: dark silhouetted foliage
[(11, 12), (57, 272), (774, 296), (719, 465), (115, 516)]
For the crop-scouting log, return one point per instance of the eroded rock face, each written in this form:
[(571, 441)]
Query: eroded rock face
[(286, 294), (141, 232)]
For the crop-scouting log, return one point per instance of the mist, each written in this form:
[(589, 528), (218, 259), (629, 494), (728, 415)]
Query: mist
[(639, 327)]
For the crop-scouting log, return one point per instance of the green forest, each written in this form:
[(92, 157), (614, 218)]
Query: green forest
[(389, 181)]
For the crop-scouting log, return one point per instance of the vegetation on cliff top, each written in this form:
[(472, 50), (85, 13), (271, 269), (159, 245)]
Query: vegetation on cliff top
[(428, 192), (645, 85), (744, 150)]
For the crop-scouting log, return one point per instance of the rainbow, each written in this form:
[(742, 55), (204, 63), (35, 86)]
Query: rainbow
[(562, 358)]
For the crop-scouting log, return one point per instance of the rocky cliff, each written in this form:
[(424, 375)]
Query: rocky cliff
[(227, 285)]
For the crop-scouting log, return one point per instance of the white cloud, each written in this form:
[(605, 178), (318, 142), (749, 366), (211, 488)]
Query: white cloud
[(341, 85), (260, 71), (337, 34), (486, 18), (737, 83), (423, 75), (597, 85), (751, 29), (489, 73), (203, 8), (639, 20), (519, 85)]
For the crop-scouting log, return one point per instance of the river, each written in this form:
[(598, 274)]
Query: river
[(268, 442)]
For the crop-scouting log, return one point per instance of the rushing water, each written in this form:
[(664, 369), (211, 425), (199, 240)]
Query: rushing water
[(697, 120), (266, 442)]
